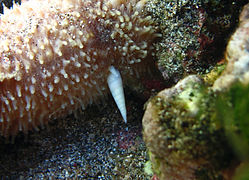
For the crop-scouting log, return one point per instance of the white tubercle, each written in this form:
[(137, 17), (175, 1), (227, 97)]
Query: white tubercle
[(114, 81)]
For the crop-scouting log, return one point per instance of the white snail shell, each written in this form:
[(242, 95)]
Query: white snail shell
[(114, 81)]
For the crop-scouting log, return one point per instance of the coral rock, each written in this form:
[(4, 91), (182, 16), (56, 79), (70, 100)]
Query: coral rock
[(182, 135), (237, 55)]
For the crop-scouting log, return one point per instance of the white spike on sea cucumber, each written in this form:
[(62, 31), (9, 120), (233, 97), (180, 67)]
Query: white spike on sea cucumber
[(114, 81)]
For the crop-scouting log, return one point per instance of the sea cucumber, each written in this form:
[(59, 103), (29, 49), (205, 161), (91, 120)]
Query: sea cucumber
[(55, 56)]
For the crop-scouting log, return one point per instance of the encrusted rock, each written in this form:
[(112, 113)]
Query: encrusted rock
[(195, 34), (182, 133), (237, 55)]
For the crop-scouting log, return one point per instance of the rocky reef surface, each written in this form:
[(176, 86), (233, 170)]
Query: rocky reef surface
[(196, 128)]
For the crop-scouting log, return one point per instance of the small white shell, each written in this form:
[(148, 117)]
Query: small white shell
[(114, 81)]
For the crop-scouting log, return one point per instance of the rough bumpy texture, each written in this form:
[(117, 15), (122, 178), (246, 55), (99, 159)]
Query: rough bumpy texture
[(8, 4), (194, 34), (237, 55), (54, 56), (183, 135)]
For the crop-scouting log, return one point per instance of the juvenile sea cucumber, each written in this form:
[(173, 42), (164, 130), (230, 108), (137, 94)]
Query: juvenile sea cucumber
[(55, 56)]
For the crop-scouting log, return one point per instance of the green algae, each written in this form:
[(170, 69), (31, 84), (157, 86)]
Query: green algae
[(242, 173), (232, 111), (192, 133), (206, 128), (214, 74)]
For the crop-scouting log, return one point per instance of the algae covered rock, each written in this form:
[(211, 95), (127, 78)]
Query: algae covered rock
[(199, 129), (233, 88), (194, 132), (232, 111), (237, 55), (194, 34), (183, 135), (242, 173)]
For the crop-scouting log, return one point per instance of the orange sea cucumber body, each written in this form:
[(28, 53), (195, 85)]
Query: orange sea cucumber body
[(55, 54)]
